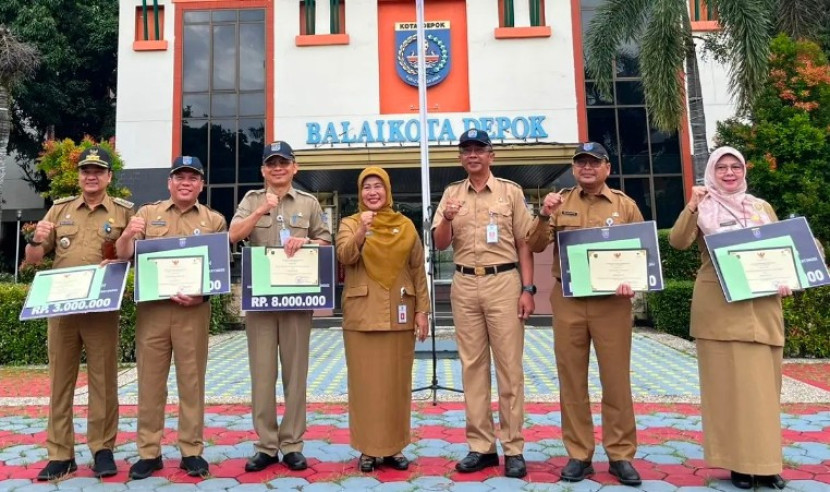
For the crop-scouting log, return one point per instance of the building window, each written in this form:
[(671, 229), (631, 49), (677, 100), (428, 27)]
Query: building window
[(646, 163), (704, 17), (336, 14), (223, 100), (149, 28), (507, 13)]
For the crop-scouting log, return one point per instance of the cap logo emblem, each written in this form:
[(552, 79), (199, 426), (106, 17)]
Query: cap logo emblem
[(187, 160), (472, 133), (275, 147), (588, 146)]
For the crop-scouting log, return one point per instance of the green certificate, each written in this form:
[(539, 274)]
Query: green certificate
[(163, 274), (755, 269), (273, 273), (581, 267), (66, 284)]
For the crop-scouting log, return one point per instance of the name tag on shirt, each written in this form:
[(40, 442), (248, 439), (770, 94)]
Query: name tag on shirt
[(492, 233), (284, 235)]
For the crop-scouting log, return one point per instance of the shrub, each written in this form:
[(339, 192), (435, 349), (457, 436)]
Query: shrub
[(59, 161), (677, 264), (807, 321), (670, 309)]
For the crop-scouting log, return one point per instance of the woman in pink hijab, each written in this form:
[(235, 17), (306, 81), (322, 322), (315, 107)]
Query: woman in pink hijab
[(740, 345)]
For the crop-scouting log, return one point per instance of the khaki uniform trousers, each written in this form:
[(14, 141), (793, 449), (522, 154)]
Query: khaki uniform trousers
[(67, 337), (485, 314), (165, 330), (607, 322), (286, 333)]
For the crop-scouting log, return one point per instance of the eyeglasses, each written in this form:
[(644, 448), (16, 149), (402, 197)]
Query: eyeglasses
[(278, 162), (593, 164), (192, 178), (475, 150), (736, 168)]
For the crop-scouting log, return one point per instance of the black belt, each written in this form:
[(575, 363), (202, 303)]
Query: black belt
[(480, 271)]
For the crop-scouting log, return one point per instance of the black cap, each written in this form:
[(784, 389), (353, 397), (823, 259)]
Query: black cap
[(187, 162), (474, 136), (95, 156), (279, 148), (592, 149)]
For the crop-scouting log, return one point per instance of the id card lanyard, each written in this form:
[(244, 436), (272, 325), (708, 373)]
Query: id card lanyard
[(492, 230), (285, 232), (402, 314)]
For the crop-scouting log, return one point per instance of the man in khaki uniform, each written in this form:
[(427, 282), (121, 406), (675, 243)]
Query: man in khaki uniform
[(279, 215), (82, 231), (486, 220), (604, 320), (177, 327)]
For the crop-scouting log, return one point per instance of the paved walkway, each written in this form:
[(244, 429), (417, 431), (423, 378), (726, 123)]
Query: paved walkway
[(664, 381)]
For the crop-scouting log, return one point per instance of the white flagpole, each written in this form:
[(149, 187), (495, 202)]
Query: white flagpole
[(426, 199)]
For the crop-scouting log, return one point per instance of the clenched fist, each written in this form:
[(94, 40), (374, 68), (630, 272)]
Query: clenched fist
[(42, 231), (271, 202), (136, 226), (698, 192), (551, 203), (451, 208)]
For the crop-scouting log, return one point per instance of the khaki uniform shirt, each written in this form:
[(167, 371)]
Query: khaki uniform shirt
[(84, 236), (164, 219), (580, 210), (298, 211), (502, 203)]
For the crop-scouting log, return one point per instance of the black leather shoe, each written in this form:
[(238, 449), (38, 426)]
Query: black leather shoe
[(295, 461), (366, 463), (397, 462), (625, 472), (576, 470), (514, 466), (195, 466), (261, 461), (474, 462), (104, 465), (771, 481), (741, 480), (55, 469), (144, 468)]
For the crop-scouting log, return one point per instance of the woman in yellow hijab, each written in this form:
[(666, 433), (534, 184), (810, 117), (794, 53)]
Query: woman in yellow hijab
[(385, 307)]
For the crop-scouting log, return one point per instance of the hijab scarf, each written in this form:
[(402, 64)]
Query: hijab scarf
[(720, 210), (391, 237)]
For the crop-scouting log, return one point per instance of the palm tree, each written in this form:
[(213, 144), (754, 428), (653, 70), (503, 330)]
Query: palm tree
[(18, 60), (663, 29), (802, 18)]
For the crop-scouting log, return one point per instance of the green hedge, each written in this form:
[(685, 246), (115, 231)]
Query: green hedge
[(807, 322), (670, 309), (677, 264), (25, 342)]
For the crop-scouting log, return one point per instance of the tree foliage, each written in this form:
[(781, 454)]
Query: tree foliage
[(59, 163), (787, 138), (72, 93)]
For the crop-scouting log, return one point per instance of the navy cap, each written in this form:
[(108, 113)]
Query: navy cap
[(187, 162), (95, 156), (279, 148), (593, 149), (474, 136)]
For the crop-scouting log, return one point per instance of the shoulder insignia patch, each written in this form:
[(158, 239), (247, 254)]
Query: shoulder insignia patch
[(151, 203), (305, 193), (255, 192), (456, 182), (64, 200), (123, 203), (508, 182)]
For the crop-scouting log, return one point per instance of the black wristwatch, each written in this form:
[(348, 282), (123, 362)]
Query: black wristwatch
[(529, 288)]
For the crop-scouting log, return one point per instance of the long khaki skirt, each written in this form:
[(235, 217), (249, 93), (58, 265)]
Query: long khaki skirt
[(380, 389), (740, 392)]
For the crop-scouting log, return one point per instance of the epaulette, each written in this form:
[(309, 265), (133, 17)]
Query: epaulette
[(151, 203), (456, 182), (305, 193), (123, 203), (517, 185), (566, 190), (64, 200), (623, 195), (255, 192)]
